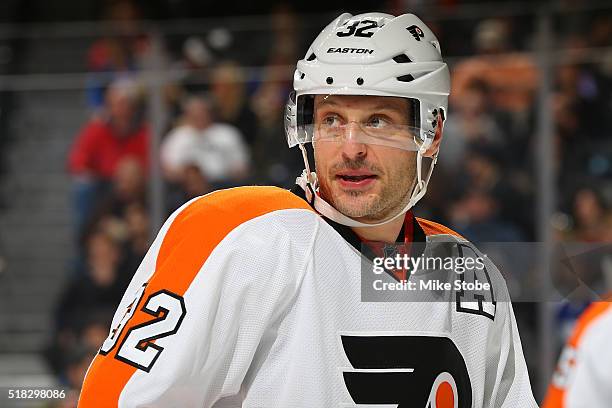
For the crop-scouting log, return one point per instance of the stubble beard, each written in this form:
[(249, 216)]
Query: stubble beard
[(392, 198)]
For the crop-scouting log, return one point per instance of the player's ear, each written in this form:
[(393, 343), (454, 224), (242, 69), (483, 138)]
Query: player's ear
[(435, 145)]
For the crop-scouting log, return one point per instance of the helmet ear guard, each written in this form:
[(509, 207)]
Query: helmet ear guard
[(291, 120), (438, 123)]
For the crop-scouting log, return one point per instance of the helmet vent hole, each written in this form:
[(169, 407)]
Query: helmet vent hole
[(405, 78), (359, 81), (401, 59), (311, 57), (436, 45), (329, 80), (302, 75)]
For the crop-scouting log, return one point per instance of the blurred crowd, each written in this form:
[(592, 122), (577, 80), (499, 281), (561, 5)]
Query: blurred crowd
[(225, 128)]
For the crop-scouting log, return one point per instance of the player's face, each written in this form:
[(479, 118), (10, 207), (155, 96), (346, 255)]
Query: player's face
[(364, 181)]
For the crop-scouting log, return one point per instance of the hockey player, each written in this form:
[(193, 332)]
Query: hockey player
[(584, 372), (251, 297)]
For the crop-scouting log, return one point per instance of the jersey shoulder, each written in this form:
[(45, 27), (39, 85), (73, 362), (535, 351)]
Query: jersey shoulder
[(211, 217), (439, 233), (223, 210), (246, 202), (196, 229), (433, 228), (589, 318)]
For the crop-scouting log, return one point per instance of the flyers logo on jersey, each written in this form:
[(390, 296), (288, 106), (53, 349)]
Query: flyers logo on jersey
[(384, 367), (444, 393)]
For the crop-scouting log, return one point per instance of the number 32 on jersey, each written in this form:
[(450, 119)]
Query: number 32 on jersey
[(137, 348)]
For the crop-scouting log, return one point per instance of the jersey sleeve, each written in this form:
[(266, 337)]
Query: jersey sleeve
[(507, 382), (202, 303), (512, 388)]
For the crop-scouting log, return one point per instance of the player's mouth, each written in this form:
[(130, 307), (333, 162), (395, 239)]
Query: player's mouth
[(355, 178)]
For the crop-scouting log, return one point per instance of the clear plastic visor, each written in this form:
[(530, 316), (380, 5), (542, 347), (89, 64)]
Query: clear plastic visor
[(376, 120)]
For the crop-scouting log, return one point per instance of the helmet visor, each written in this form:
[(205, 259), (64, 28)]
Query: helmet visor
[(378, 120)]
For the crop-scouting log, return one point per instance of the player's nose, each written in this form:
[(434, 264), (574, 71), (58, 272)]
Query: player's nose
[(352, 147)]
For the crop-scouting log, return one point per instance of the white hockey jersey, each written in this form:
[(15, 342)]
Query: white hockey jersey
[(583, 377), (248, 298)]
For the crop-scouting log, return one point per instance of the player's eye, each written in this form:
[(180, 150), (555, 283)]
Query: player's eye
[(331, 120), (378, 122)]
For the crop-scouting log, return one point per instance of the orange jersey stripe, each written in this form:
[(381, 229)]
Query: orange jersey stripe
[(433, 228), (193, 235), (594, 310), (556, 395)]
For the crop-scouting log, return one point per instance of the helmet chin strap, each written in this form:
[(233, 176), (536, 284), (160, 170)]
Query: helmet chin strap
[(309, 183)]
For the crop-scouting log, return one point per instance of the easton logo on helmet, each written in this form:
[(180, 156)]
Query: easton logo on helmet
[(416, 32), (332, 50)]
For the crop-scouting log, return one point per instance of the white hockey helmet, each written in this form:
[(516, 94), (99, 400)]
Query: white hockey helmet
[(371, 54)]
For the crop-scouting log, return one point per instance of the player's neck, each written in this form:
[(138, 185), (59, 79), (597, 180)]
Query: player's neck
[(383, 233)]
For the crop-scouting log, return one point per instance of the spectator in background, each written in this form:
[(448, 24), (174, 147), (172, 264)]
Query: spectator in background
[(285, 26), (95, 329), (218, 150), (128, 187), (270, 98), (269, 105), (122, 211), (511, 76), (228, 89), (196, 59), (470, 122), (565, 99), (191, 74), (103, 143), (120, 133), (76, 359), (76, 363), (592, 220), (582, 121), (101, 288), (476, 216), (138, 233), (85, 308), (492, 203), (192, 184), (116, 55)]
